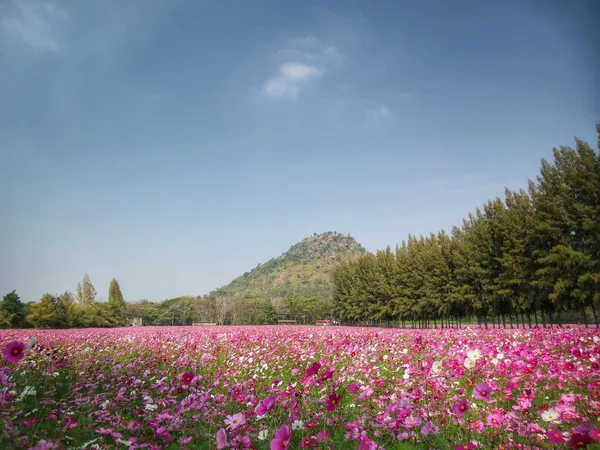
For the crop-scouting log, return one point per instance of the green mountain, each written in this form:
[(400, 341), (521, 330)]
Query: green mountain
[(303, 271)]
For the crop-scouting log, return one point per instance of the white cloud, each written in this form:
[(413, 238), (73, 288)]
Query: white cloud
[(302, 60), (378, 114), (286, 84), (32, 23)]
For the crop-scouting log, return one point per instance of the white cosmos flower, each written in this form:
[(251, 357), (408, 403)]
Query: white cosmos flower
[(470, 363), (297, 425), (495, 361), (550, 415), (500, 356), (436, 367), (263, 434), (474, 354)]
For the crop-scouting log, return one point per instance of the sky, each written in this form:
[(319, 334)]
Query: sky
[(174, 145)]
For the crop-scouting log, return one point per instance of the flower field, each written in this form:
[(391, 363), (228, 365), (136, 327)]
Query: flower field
[(300, 387)]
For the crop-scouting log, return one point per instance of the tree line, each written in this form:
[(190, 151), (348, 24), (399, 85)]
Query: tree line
[(532, 256), (224, 309), (67, 310)]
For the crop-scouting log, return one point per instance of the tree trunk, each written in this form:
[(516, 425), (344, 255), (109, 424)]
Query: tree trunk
[(584, 316), (594, 313)]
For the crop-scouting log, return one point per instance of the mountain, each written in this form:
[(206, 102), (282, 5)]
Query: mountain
[(303, 271)]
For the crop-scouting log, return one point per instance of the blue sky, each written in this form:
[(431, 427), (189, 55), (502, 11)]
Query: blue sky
[(176, 144)]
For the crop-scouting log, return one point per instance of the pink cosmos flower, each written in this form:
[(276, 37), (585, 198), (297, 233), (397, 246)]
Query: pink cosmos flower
[(187, 377), (222, 439), (308, 442), (595, 434), (494, 420), (44, 445), (235, 421), (461, 407), (185, 441), (14, 351), (579, 440), (282, 438), (332, 401), (265, 406), (483, 391), (555, 436), (469, 446), (353, 388), (313, 369), (429, 428), (241, 442), (365, 443), (323, 435)]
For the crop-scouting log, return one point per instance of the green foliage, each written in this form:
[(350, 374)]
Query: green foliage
[(86, 292), (116, 303), (12, 311), (310, 309), (305, 270), (535, 251)]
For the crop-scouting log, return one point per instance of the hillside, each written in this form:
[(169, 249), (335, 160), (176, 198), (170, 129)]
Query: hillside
[(303, 271)]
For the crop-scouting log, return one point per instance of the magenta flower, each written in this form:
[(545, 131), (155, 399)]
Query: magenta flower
[(579, 440), (313, 369), (365, 443), (332, 401), (595, 434), (461, 407), (221, 439), (187, 377), (494, 420), (323, 435), (353, 388), (241, 442), (265, 406), (483, 391), (282, 438), (14, 351), (555, 436), (235, 421), (469, 446)]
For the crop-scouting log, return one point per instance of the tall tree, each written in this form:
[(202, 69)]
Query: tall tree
[(116, 303), (86, 292), (12, 310), (44, 314)]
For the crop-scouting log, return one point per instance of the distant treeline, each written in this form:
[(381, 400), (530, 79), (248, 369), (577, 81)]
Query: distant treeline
[(228, 310), (533, 254), (68, 310)]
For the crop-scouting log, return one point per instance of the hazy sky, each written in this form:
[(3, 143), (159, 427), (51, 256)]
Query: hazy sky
[(176, 144)]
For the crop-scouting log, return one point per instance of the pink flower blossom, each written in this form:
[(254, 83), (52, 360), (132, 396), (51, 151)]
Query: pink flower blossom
[(332, 401), (14, 351), (313, 369), (187, 377), (222, 439), (235, 421), (483, 391), (282, 438), (555, 436), (461, 407)]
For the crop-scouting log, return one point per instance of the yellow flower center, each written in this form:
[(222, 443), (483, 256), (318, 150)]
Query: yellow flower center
[(15, 351)]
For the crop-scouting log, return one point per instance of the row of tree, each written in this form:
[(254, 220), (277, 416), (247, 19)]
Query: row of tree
[(533, 254), (227, 310), (66, 310)]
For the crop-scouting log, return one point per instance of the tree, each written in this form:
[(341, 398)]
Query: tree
[(12, 310), (44, 314), (116, 303), (86, 293)]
